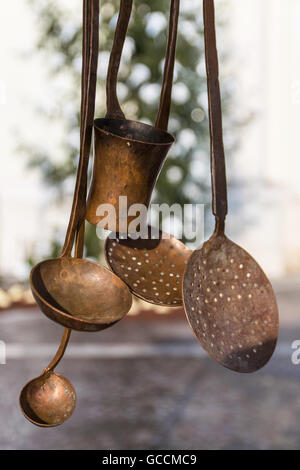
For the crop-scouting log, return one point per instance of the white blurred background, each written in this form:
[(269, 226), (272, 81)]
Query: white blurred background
[(264, 41)]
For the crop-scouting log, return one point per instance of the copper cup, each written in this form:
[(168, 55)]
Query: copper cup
[(128, 158), (129, 155)]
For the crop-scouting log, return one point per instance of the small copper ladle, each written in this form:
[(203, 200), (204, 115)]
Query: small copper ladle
[(228, 300), (50, 399), (153, 268), (76, 293)]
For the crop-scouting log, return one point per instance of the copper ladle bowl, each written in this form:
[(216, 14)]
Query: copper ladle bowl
[(79, 294), (48, 400)]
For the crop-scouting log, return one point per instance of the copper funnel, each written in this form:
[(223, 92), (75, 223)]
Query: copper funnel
[(129, 155)]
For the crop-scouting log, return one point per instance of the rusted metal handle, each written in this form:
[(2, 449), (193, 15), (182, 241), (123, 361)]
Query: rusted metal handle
[(60, 352), (163, 114), (84, 72), (114, 110), (218, 170), (89, 79)]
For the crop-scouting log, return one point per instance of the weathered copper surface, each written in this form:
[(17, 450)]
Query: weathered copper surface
[(127, 161), (152, 269), (228, 299), (129, 155), (80, 294), (49, 399), (230, 305), (76, 293)]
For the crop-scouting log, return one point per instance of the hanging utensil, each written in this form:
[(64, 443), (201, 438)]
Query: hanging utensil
[(228, 300), (128, 154), (50, 399), (153, 268), (77, 293)]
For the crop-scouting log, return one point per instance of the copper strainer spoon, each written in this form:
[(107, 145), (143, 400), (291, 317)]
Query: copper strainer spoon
[(77, 293), (153, 268), (228, 300)]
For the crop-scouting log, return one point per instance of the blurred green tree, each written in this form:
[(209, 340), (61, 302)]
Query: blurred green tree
[(185, 176)]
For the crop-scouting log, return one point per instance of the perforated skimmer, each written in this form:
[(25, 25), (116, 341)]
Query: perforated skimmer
[(152, 269), (228, 299)]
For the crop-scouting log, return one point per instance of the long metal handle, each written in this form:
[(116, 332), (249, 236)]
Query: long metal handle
[(114, 110), (218, 170), (60, 352), (67, 332), (163, 114), (89, 80)]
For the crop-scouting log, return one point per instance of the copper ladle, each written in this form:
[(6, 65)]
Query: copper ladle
[(228, 300), (153, 268), (128, 154), (50, 399), (76, 293)]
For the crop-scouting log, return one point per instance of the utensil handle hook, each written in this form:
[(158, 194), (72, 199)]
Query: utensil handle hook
[(163, 114), (114, 110), (218, 169)]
